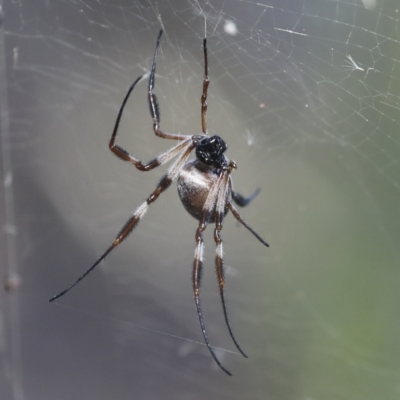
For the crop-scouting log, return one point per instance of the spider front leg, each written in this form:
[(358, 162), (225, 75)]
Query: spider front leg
[(155, 162)]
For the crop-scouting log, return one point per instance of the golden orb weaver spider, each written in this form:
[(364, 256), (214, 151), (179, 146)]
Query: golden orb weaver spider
[(204, 187)]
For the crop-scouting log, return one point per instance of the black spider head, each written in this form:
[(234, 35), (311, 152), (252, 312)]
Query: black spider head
[(210, 151)]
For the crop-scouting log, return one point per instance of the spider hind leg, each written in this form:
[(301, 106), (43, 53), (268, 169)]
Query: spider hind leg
[(197, 270), (163, 185), (219, 264), (224, 193)]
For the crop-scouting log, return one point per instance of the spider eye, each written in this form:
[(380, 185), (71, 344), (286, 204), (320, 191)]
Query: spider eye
[(210, 150)]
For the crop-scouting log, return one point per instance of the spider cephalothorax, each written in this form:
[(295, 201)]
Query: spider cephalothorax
[(204, 186), (210, 151)]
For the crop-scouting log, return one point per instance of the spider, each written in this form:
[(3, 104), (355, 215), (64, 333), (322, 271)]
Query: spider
[(204, 187)]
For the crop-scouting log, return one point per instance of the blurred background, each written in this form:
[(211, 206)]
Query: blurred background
[(307, 96)]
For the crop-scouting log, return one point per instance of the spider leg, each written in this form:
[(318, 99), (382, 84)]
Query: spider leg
[(240, 219), (153, 103), (164, 183), (206, 82), (208, 208), (155, 162), (124, 155), (242, 201), (219, 258), (197, 270)]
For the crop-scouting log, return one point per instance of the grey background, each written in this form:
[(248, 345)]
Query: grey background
[(317, 313)]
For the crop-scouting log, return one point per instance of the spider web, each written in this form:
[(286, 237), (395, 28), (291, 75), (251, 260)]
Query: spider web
[(307, 96)]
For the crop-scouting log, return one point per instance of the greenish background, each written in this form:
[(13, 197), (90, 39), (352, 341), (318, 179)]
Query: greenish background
[(317, 312)]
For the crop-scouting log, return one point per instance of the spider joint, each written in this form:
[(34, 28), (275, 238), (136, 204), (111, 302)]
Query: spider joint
[(232, 165), (217, 236), (196, 139)]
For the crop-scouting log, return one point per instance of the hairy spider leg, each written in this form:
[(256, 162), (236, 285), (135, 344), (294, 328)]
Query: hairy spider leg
[(219, 258), (165, 182), (126, 156), (208, 208), (155, 162), (153, 103), (206, 82)]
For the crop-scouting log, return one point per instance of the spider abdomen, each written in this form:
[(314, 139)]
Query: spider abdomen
[(194, 183)]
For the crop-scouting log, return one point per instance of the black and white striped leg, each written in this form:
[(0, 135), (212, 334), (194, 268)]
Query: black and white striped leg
[(208, 209), (154, 163), (165, 182), (197, 270), (219, 257), (219, 262)]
